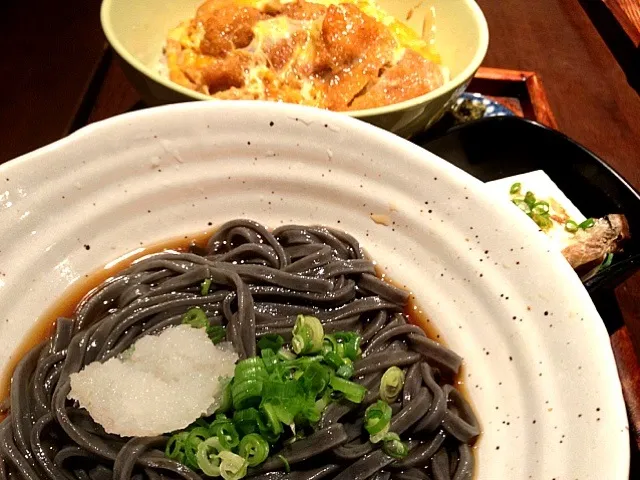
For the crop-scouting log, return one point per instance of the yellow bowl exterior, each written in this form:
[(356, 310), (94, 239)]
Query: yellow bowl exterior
[(136, 29)]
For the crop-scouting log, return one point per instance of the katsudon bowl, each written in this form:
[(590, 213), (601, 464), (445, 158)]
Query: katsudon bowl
[(137, 30)]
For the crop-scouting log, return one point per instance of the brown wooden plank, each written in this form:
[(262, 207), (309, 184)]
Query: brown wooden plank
[(489, 73), (51, 50), (586, 89), (539, 102), (522, 86), (627, 362), (627, 13)]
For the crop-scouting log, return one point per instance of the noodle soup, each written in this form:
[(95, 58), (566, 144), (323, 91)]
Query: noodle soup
[(333, 378)]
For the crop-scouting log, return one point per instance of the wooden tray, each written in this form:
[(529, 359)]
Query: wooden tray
[(520, 91), (618, 22)]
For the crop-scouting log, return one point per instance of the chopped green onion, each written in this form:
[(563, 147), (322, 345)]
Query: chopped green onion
[(248, 380), (308, 412), (198, 435), (394, 447), (195, 437), (227, 434), (377, 417), (232, 466), (254, 449), (287, 467), (588, 223), (216, 333), (323, 401), (206, 285), (175, 447), (208, 456), (298, 436), (346, 369), (515, 188), (273, 422), (541, 207), (329, 344), (248, 421), (307, 335), (315, 379), (285, 354), (246, 394), (281, 391), (352, 391), (348, 344), (272, 341), (542, 220), (226, 401), (391, 384), (252, 367), (522, 205), (332, 359), (530, 199), (607, 261), (270, 359), (196, 318), (571, 226)]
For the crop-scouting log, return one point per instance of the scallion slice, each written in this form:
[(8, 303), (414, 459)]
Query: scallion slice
[(394, 447), (271, 341), (206, 285), (376, 419), (515, 188), (588, 223), (196, 318), (391, 384), (216, 333), (607, 261), (307, 335), (571, 226), (540, 207), (232, 466), (227, 435), (208, 456), (254, 449), (352, 391), (522, 205), (530, 199)]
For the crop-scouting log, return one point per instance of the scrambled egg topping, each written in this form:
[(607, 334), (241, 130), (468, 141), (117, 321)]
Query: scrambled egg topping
[(335, 54)]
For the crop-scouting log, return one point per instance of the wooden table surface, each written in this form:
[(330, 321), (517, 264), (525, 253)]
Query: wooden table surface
[(52, 51)]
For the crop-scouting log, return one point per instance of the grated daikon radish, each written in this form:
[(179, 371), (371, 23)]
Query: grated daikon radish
[(163, 384)]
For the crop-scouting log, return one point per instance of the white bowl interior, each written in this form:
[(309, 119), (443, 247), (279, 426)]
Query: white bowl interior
[(539, 367)]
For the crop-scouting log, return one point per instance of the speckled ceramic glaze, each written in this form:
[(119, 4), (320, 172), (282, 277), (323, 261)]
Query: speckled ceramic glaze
[(539, 368), (137, 31)]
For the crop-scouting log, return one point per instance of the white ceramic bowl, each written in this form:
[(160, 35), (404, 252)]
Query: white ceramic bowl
[(137, 30), (539, 367)]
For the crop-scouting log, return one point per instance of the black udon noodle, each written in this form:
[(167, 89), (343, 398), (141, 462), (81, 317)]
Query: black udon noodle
[(260, 281)]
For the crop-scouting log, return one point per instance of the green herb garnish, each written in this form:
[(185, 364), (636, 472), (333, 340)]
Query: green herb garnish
[(197, 318), (272, 400), (391, 384)]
